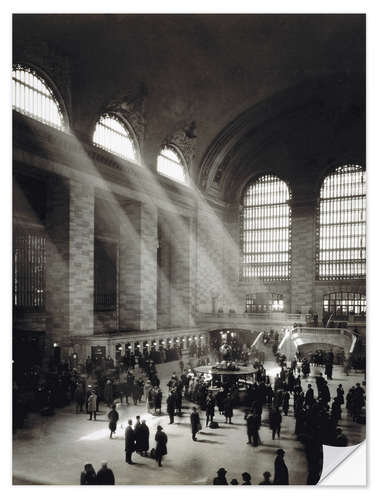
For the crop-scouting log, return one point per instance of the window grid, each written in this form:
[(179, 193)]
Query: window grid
[(344, 303), (29, 270), (111, 134), (257, 303), (32, 96), (170, 164), (265, 234), (341, 250)]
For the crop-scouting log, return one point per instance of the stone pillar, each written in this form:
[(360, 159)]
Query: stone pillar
[(164, 289), (70, 259), (303, 255), (180, 229), (138, 267)]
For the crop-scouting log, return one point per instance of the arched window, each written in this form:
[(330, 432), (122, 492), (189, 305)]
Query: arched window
[(342, 224), (32, 96), (265, 231), (170, 164), (112, 135)]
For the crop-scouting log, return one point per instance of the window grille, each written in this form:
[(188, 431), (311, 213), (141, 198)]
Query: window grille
[(258, 302), (343, 304), (112, 135), (341, 251), (265, 230), (32, 96), (29, 270), (170, 164)]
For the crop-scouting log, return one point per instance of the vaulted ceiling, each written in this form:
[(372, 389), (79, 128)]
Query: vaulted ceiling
[(290, 85)]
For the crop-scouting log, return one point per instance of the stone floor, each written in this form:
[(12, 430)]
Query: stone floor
[(53, 450)]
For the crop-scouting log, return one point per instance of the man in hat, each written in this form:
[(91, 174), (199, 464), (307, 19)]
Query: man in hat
[(246, 479), (281, 475), (161, 444), (129, 442), (266, 480), (220, 479), (195, 423), (105, 475)]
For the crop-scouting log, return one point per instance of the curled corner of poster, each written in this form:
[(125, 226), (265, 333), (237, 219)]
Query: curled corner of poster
[(344, 466)]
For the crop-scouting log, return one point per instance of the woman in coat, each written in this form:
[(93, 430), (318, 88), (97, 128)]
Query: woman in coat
[(228, 409), (113, 419), (92, 405), (144, 435), (88, 476), (161, 444), (281, 470)]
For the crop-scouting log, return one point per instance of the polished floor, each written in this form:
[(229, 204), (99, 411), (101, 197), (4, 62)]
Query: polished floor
[(53, 450)]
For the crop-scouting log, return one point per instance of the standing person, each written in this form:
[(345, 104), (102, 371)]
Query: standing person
[(195, 423), (108, 393), (246, 479), (275, 422), (286, 397), (171, 406), (129, 442), (88, 475), (161, 444), (144, 436), (113, 419), (92, 405), (228, 409), (79, 398), (309, 396), (210, 409), (266, 480), (137, 435), (105, 475), (220, 479), (158, 396), (281, 475)]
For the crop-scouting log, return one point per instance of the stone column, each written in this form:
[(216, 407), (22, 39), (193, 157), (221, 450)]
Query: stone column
[(180, 230), (138, 267), (303, 254), (164, 289), (70, 259)]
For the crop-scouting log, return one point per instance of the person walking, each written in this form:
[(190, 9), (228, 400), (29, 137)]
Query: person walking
[(161, 444), (281, 475), (129, 442), (113, 419), (105, 475), (92, 405), (195, 423)]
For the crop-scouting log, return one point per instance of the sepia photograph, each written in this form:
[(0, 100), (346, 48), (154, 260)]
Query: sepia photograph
[(188, 246)]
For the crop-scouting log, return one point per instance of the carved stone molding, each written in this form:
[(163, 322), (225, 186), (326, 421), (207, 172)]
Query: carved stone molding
[(185, 140), (130, 106)]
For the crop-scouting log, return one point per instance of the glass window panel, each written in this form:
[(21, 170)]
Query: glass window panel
[(265, 229), (339, 229), (32, 96), (112, 135), (171, 165)]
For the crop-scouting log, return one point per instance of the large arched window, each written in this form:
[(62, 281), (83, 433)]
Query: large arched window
[(32, 96), (171, 164), (342, 224), (265, 231), (112, 135)]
